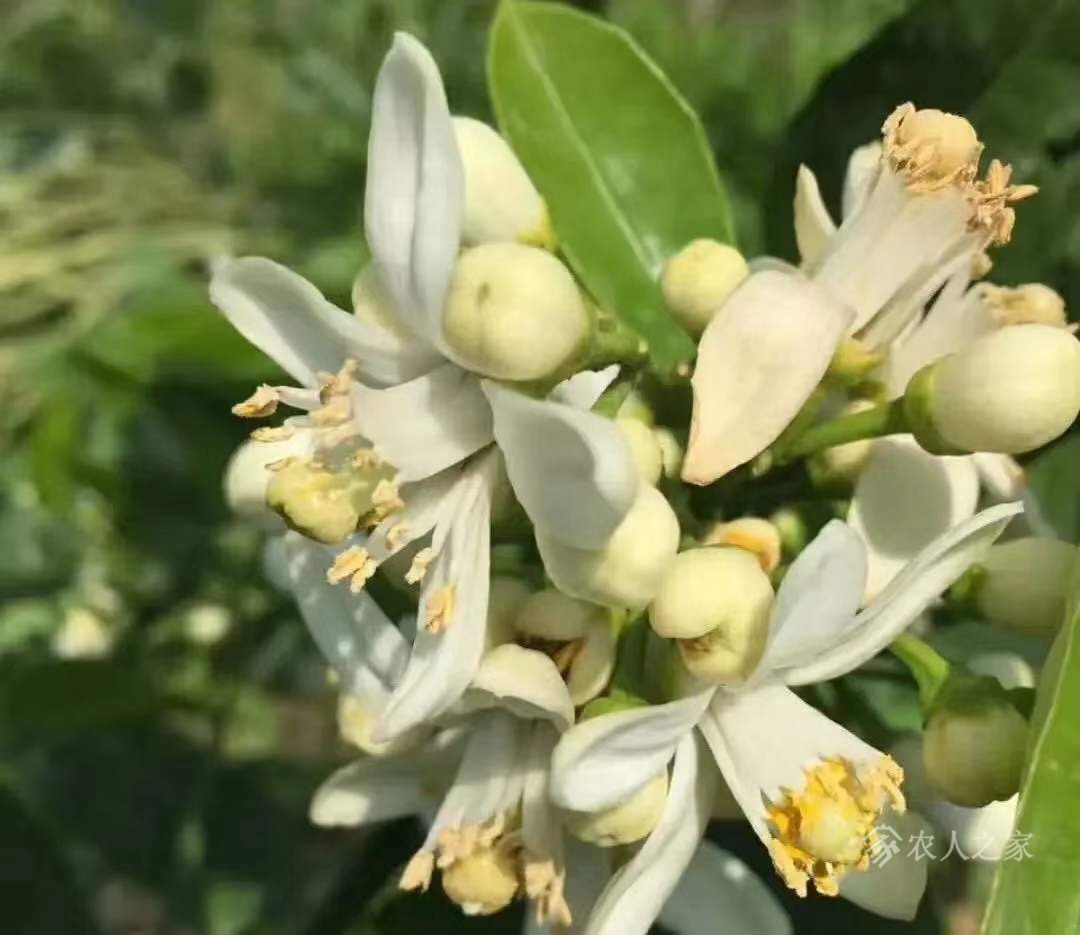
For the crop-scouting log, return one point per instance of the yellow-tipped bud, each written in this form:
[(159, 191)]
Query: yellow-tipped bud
[(629, 821), (753, 534), (482, 883), (643, 448), (626, 572), (699, 279), (1029, 304), (514, 312), (1024, 584)]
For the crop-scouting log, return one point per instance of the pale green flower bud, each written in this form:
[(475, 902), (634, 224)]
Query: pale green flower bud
[(482, 883), (671, 452), (556, 617), (636, 406), (501, 202), (974, 754), (505, 599), (626, 572), (1009, 391), (752, 533), (1024, 583), (629, 821), (643, 448), (716, 602), (1028, 304), (699, 279), (514, 312)]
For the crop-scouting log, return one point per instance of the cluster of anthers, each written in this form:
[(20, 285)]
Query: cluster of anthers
[(830, 826), (935, 150)]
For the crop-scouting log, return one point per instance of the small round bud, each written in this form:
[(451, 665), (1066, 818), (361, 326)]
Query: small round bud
[(944, 143), (626, 572), (1024, 584), (753, 534), (643, 448), (1009, 391), (554, 616), (482, 883), (975, 756), (624, 823), (506, 597), (792, 529), (514, 312), (636, 406), (501, 202), (83, 635), (1029, 304), (671, 452), (699, 279)]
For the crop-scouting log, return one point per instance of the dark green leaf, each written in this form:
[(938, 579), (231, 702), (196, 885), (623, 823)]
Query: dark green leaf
[(1053, 478)]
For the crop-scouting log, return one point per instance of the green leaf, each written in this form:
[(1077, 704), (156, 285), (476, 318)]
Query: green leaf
[(1052, 476), (1036, 894), (619, 156)]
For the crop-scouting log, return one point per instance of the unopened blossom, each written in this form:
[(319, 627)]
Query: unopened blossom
[(401, 444)]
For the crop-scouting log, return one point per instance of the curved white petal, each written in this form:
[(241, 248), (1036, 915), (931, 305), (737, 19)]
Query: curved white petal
[(716, 885), (582, 390), (443, 663), (288, 319), (760, 358), (426, 425), (523, 681), (571, 470), (863, 167), (981, 833), (247, 475), (541, 826), (904, 499), (920, 583), (818, 598), (603, 760), (813, 224), (359, 642), (414, 199), (892, 888), (1001, 476)]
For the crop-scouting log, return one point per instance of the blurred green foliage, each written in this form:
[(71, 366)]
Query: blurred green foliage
[(163, 787)]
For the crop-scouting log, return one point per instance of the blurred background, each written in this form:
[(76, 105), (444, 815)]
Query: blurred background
[(164, 717)]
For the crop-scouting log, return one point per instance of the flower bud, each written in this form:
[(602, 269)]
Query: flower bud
[(671, 452), (699, 279), (320, 502), (643, 448), (1009, 391), (553, 616), (626, 572), (483, 882), (513, 312), (1028, 304), (1024, 584), (755, 535), (501, 202), (83, 635), (629, 821), (506, 597), (974, 754)]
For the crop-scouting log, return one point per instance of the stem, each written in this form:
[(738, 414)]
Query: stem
[(886, 419), (928, 667), (629, 674), (613, 342)]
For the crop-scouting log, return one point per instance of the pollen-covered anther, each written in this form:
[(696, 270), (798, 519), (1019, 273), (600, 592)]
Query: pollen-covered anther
[(752, 534), (485, 881), (545, 885), (417, 873), (260, 404), (419, 565), (830, 826), (440, 609), (991, 198), (1028, 304), (395, 537), (337, 384), (386, 499), (933, 150), (273, 433), (334, 412), (366, 458), (354, 565)]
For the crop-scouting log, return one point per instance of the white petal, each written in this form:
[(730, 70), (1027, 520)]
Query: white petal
[(904, 499), (427, 424), (355, 636), (813, 225), (862, 171), (424, 502), (759, 360), (892, 888), (717, 884), (632, 900), (818, 598), (541, 825), (442, 664), (908, 595), (571, 470), (523, 681), (603, 760), (764, 740), (981, 833), (1001, 476), (414, 199), (288, 319), (246, 475), (592, 666), (582, 390)]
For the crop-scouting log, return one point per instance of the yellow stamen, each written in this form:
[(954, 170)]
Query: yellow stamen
[(419, 565), (263, 402), (385, 499), (829, 827), (354, 565), (366, 458), (991, 198), (275, 433), (337, 384), (440, 609), (546, 887), (417, 874), (396, 535), (334, 412)]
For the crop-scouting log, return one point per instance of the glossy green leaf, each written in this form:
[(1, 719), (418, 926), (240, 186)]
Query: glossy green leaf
[(1053, 478), (619, 156), (1035, 892)]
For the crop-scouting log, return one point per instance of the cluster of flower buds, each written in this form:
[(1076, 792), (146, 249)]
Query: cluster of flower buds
[(597, 646)]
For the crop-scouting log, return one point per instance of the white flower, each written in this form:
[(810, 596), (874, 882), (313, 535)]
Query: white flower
[(777, 754), (397, 435)]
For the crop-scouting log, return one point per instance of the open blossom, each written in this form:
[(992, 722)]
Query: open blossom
[(812, 791), (398, 437), (916, 214)]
